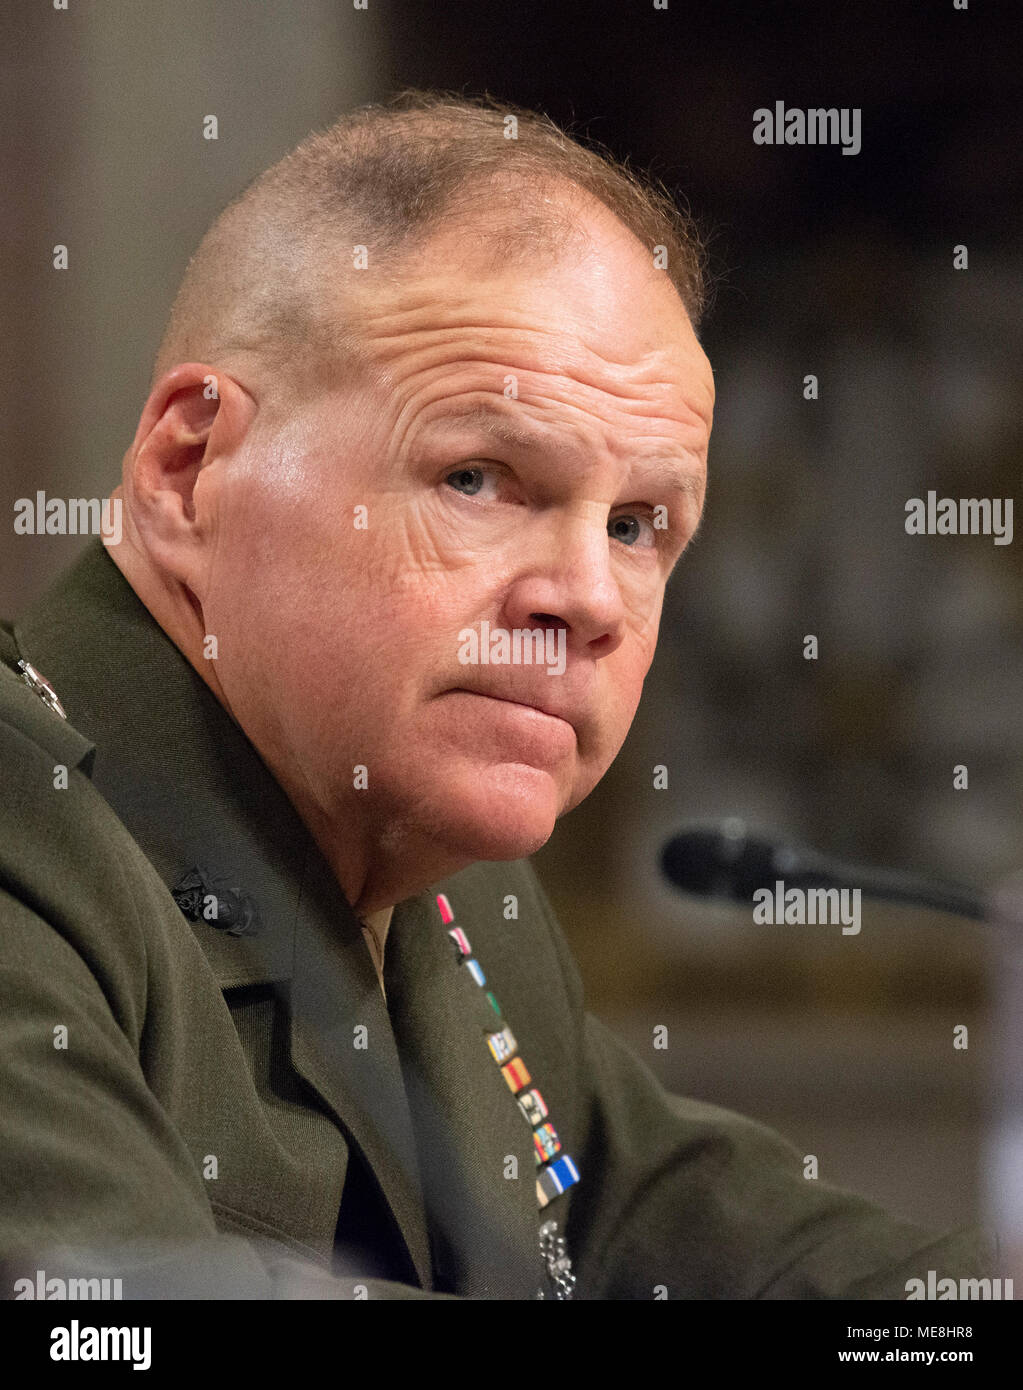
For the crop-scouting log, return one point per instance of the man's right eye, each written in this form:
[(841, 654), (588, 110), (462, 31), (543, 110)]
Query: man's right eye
[(467, 481)]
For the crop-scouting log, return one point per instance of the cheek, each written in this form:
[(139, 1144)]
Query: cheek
[(626, 687), (642, 598), (435, 541), (622, 675), (424, 584)]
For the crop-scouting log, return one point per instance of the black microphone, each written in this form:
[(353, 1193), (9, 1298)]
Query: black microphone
[(724, 860)]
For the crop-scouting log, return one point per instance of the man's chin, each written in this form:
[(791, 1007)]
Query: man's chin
[(504, 811)]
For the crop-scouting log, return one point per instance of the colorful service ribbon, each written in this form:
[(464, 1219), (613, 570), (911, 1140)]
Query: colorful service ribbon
[(556, 1172)]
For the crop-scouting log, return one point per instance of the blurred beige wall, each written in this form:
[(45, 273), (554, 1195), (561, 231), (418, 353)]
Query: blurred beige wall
[(103, 108)]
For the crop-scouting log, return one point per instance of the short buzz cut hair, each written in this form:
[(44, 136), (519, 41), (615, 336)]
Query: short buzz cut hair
[(268, 276)]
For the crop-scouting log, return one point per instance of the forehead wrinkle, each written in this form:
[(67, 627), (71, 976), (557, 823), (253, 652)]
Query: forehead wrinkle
[(541, 347), (438, 326), (645, 391)]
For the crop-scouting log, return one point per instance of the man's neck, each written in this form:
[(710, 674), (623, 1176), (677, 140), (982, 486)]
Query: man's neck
[(171, 605)]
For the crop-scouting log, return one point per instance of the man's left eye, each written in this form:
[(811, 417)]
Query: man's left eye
[(631, 530)]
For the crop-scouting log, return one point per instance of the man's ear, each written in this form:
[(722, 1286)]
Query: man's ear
[(195, 416)]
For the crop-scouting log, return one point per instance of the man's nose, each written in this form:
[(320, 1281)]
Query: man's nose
[(567, 580)]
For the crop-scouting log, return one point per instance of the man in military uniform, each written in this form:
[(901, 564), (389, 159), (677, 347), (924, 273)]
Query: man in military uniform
[(284, 1010)]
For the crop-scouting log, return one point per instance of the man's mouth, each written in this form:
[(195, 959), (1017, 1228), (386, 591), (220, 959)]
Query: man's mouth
[(544, 707)]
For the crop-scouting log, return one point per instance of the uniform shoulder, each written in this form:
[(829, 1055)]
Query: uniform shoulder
[(75, 884), (26, 715)]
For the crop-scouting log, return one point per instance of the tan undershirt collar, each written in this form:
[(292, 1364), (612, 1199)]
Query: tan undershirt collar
[(374, 933)]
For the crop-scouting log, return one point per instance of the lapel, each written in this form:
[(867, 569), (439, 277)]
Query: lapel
[(484, 1222), (193, 792)]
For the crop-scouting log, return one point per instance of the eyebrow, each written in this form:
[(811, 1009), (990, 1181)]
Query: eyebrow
[(496, 423)]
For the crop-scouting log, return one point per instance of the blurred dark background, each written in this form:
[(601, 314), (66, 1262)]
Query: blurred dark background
[(840, 266)]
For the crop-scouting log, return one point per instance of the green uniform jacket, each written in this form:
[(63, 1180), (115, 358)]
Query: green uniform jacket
[(229, 1108)]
